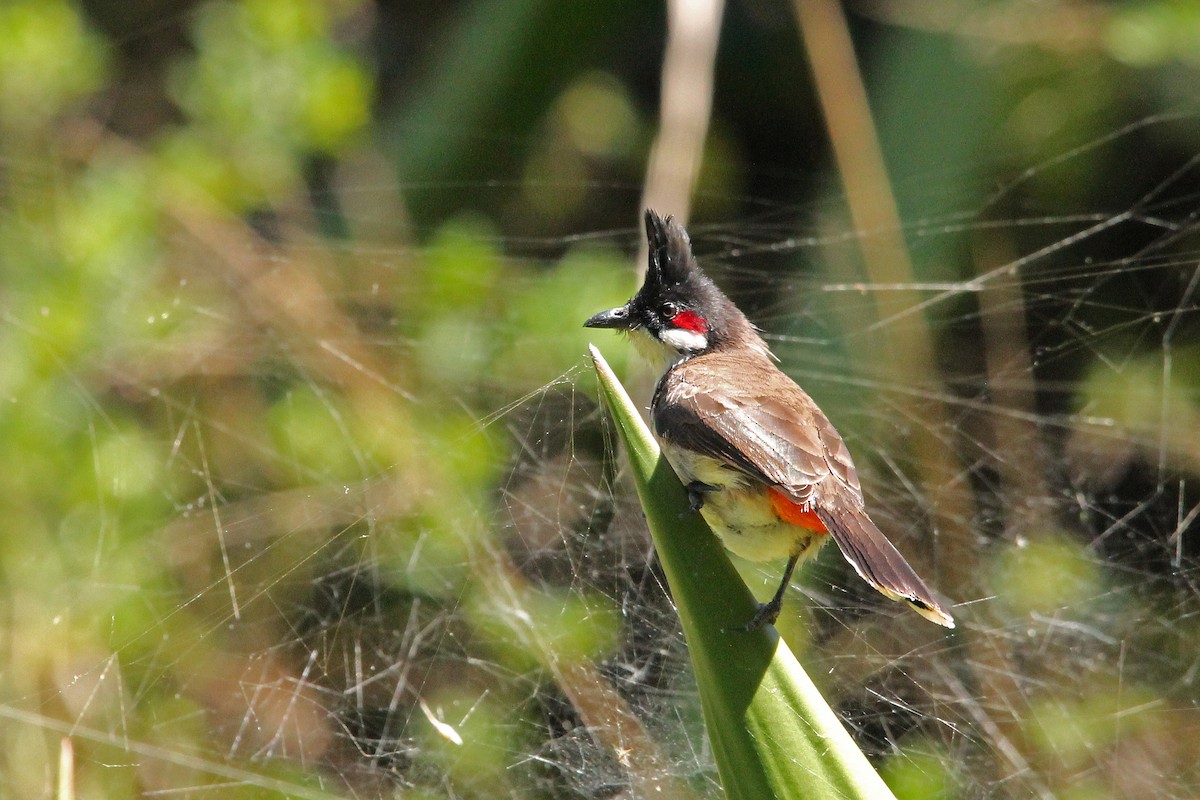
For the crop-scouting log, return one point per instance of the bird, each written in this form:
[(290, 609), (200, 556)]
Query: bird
[(760, 461)]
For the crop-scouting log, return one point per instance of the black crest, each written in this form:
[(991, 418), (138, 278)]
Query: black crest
[(673, 275), (671, 260), (674, 284), (673, 272)]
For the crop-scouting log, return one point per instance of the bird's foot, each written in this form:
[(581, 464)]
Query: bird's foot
[(696, 491), (769, 612), (766, 615)]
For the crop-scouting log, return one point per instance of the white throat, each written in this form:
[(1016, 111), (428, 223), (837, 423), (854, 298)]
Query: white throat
[(674, 346)]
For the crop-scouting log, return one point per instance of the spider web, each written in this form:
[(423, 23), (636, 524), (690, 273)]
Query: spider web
[(333, 549)]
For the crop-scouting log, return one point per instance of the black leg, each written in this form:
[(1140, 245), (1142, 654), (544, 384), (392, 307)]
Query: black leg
[(696, 491), (769, 612)]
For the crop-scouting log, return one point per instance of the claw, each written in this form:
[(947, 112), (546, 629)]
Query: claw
[(766, 615), (696, 491), (769, 612)]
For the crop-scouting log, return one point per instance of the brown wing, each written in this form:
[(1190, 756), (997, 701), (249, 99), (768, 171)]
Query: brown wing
[(761, 422), (765, 425)]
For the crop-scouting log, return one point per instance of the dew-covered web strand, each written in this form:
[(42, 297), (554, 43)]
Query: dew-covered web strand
[(1151, 329), (968, 711), (652, 671), (214, 505)]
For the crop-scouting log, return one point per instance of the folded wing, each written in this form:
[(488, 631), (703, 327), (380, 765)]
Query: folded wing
[(766, 426)]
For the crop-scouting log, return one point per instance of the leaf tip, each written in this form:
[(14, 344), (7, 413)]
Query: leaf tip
[(603, 370)]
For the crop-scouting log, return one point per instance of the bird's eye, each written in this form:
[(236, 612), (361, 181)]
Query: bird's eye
[(668, 310)]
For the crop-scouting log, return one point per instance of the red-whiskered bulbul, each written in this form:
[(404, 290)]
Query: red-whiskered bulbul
[(760, 461)]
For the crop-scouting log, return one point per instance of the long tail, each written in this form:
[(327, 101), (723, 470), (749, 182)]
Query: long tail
[(880, 564)]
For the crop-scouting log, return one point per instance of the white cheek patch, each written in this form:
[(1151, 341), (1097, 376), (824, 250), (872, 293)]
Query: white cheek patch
[(684, 340)]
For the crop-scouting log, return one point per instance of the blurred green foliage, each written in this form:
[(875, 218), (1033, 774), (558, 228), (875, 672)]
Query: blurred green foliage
[(267, 88), (1154, 33), (923, 771), (50, 59), (1046, 574), (295, 437)]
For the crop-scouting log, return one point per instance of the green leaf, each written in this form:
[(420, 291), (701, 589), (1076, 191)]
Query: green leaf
[(772, 733)]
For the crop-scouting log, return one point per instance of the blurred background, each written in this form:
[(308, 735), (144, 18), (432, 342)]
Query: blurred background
[(305, 489)]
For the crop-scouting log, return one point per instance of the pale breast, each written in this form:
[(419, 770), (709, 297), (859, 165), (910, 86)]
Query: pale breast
[(740, 512)]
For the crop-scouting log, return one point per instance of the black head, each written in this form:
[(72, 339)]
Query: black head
[(677, 306)]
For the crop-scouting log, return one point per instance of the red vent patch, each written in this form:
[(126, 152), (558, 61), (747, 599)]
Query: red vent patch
[(793, 512), (690, 321)]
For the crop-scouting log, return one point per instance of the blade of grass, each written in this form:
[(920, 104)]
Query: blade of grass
[(66, 769), (772, 733)]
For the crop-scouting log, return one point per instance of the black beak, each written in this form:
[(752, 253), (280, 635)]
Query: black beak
[(618, 318)]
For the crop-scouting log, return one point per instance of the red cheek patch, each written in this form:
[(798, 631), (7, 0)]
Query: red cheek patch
[(690, 321)]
